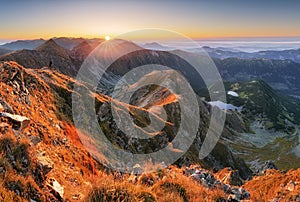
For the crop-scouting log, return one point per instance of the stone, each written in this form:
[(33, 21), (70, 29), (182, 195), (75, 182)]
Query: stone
[(291, 186), (21, 122), (267, 166), (204, 177), (244, 194), (56, 189), (45, 163), (137, 168), (35, 140), (226, 188), (221, 200), (235, 194), (6, 106), (232, 178)]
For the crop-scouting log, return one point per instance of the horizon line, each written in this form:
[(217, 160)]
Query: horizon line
[(194, 38), (233, 38)]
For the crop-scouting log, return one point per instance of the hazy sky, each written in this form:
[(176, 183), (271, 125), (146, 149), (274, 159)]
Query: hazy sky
[(194, 18)]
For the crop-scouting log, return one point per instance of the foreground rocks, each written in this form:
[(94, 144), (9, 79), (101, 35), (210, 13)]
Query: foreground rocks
[(56, 189), (210, 181), (19, 122)]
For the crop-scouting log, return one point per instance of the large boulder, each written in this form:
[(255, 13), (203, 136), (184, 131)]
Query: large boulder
[(19, 122)]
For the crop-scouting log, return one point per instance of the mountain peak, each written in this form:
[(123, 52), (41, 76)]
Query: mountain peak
[(48, 44), (52, 47)]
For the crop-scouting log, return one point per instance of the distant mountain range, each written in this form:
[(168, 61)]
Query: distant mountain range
[(157, 46), (221, 53), (65, 42), (293, 55), (67, 54)]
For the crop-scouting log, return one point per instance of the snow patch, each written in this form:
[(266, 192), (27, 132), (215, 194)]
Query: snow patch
[(232, 93), (224, 106)]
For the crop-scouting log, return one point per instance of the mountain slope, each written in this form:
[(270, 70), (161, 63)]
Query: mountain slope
[(49, 54), (280, 74), (82, 50), (258, 99), (273, 119), (23, 44), (45, 159), (58, 86), (4, 51)]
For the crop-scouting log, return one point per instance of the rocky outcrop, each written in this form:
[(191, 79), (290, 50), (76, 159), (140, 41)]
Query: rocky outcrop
[(269, 165), (19, 122), (56, 189), (209, 180)]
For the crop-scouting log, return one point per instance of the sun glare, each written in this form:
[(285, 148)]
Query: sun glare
[(107, 38)]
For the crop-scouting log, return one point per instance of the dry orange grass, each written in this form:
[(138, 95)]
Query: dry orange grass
[(272, 185), (164, 185)]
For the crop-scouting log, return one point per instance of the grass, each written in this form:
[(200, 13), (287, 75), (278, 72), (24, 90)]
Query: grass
[(266, 188), (166, 185)]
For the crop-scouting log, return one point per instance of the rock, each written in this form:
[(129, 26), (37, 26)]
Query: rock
[(76, 197), (267, 166), (35, 140), (244, 194), (204, 177), (238, 194), (235, 194), (4, 128), (6, 107), (221, 200), (291, 186), (231, 177), (226, 188), (56, 189), (45, 163), (147, 180), (133, 178), (137, 169), (20, 122)]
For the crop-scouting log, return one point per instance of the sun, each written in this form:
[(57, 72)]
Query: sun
[(107, 38)]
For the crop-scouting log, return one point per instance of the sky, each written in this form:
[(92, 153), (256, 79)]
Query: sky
[(28, 19)]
